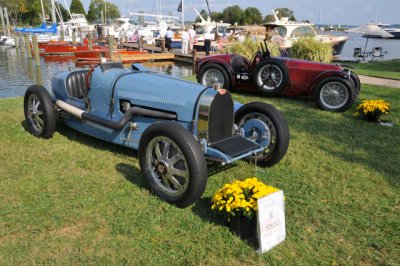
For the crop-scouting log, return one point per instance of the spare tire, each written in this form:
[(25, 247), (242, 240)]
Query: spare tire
[(271, 76)]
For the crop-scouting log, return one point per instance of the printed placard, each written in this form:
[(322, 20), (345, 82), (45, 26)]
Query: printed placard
[(271, 229)]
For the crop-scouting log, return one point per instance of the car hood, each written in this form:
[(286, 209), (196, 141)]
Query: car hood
[(150, 89), (298, 63)]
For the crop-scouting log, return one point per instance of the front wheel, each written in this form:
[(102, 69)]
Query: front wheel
[(335, 94), (212, 74), (39, 112), (172, 163), (265, 125)]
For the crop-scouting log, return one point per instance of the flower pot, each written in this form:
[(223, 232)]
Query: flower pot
[(244, 227)]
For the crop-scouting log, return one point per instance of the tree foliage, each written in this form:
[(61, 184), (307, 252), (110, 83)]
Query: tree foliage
[(63, 11), (252, 15), (95, 8), (77, 7), (232, 14), (281, 12), (204, 14)]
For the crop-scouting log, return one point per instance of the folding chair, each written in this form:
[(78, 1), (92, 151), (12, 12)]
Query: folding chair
[(377, 53), (360, 55)]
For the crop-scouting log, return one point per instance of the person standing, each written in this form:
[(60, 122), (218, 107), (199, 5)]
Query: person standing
[(207, 42), (185, 41), (192, 39), (168, 38), (100, 31)]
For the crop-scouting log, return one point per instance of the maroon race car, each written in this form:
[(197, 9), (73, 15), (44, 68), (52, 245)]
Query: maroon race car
[(333, 87)]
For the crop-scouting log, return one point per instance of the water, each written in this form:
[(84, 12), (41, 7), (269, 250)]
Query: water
[(17, 72), (391, 45)]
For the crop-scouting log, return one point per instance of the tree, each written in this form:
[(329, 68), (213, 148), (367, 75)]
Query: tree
[(285, 12), (232, 14), (77, 7), (63, 11), (252, 15), (95, 8)]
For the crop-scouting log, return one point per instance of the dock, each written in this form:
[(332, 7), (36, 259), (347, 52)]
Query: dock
[(158, 54)]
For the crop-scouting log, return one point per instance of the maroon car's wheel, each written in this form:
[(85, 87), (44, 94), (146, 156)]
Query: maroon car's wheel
[(212, 74), (271, 76), (335, 94), (172, 163), (39, 112), (277, 135)]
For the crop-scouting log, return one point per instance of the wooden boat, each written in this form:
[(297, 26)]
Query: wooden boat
[(69, 49), (125, 56)]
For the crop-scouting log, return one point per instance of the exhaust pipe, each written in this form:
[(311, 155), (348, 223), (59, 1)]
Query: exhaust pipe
[(83, 115)]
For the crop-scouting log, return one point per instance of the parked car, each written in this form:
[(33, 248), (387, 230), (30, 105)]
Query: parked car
[(333, 87), (177, 126)]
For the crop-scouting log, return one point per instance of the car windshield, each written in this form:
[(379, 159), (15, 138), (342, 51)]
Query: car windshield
[(303, 31)]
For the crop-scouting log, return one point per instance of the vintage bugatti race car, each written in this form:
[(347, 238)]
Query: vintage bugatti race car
[(333, 87), (177, 126)]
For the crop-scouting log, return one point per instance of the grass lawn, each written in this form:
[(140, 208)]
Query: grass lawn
[(385, 69), (74, 199)]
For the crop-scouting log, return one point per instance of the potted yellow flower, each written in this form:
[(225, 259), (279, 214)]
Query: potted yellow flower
[(237, 201), (372, 110)]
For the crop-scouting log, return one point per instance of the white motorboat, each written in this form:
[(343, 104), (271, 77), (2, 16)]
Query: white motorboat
[(214, 28), (284, 32)]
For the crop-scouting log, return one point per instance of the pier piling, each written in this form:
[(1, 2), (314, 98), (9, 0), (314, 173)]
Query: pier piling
[(28, 46), (90, 40), (73, 36), (36, 49), (111, 46), (21, 42)]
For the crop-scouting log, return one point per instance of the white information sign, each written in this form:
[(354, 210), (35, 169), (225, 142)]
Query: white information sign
[(271, 228)]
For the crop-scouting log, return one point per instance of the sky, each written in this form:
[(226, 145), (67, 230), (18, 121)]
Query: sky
[(344, 12)]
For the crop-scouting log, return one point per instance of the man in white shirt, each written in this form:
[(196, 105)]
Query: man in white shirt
[(207, 43), (185, 41), (192, 38), (168, 38)]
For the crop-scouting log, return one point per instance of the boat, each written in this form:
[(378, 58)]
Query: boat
[(61, 49), (284, 32), (216, 29), (395, 31)]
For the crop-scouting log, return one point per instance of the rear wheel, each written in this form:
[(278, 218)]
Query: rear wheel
[(212, 74), (265, 125), (356, 80), (271, 76), (39, 112), (335, 94), (172, 163)]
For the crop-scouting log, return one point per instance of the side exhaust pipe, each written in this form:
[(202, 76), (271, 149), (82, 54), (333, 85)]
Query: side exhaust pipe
[(80, 114)]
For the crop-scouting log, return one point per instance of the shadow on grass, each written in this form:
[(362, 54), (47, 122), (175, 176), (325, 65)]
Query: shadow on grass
[(131, 173)]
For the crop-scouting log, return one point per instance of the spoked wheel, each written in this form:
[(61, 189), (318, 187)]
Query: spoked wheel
[(271, 76), (212, 74), (172, 163), (264, 124), (39, 112), (335, 94)]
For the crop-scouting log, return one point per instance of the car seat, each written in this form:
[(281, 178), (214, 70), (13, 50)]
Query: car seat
[(76, 84)]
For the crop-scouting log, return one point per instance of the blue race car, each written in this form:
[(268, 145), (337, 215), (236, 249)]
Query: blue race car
[(177, 126)]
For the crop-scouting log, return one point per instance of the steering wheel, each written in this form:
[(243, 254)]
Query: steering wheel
[(89, 74)]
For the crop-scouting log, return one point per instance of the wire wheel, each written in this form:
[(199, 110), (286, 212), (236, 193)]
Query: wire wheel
[(212, 76), (334, 95), (168, 166), (35, 113), (270, 76)]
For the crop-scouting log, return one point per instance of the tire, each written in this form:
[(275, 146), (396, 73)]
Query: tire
[(335, 94), (39, 112), (271, 76), (277, 144), (212, 74), (180, 179)]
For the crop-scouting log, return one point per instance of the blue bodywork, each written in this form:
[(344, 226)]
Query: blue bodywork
[(142, 88)]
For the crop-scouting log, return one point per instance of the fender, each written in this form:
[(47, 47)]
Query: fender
[(330, 73), (220, 62)]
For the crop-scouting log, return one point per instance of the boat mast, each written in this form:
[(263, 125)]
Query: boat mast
[(44, 19), (53, 12), (183, 16)]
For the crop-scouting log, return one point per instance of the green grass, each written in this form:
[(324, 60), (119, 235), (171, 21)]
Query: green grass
[(385, 69), (74, 199)]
